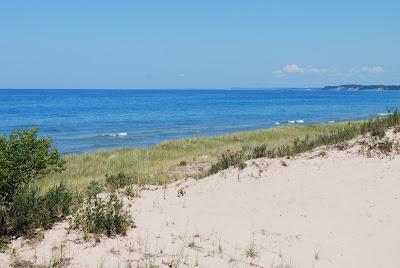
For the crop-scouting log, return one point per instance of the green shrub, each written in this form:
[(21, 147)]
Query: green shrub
[(132, 192), (260, 151), (29, 210), (25, 158), (103, 217), (227, 159), (181, 192), (93, 189), (26, 212), (386, 146), (57, 204), (377, 129), (3, 245), (119, 180), (3, 221)]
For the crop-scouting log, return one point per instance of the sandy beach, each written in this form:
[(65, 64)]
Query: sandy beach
[(331, 207), (212, 134)]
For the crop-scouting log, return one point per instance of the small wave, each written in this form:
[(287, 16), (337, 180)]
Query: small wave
[(296, 121), (118, 134), (331, 122), (277, 123), (383, 114)]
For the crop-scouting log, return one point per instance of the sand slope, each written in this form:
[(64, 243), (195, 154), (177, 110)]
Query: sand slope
[(335, 210)]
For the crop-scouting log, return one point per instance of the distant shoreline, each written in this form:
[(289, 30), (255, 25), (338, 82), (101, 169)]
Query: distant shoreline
[(287, 124), (349, 87), (362, 87)]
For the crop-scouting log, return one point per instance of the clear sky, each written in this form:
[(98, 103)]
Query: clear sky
[(198, 44)]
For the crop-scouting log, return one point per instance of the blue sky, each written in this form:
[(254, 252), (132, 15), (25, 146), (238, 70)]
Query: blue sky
[(198, 44)]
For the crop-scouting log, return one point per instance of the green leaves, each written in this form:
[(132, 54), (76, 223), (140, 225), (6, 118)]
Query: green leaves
[(24, 158), (29, 210), (119, 180), (103, 217)]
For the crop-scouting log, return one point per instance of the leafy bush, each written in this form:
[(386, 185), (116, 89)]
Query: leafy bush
[(58, 202), (132, 192), (181, 192), (3, 221), (25, 158), (103, 217), (26, 212), (119, 180), (29, 210), (259, 151), (377, 129), (93, 189), (227, 159), (386, 146)]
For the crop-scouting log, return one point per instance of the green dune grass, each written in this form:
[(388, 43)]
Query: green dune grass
[(153, 165), (51, 201)]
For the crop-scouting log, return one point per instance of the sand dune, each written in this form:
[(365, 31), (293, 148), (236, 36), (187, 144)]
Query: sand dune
[(338, 208)]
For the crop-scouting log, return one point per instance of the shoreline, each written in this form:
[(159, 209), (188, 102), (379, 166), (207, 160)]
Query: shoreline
[(163, 162), (83, 121), (289, 123), (320, 208)]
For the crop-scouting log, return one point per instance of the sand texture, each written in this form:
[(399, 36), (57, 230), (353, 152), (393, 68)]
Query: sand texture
[(331, 207)]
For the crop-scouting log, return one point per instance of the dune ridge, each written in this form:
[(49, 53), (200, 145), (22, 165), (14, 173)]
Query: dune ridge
[(330, 207)]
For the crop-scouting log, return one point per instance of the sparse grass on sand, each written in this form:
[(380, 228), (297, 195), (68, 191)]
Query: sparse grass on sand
[(156, 164), (163, 163)]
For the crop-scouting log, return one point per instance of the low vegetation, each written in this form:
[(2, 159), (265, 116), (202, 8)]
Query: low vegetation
[(25, 159), (117, 181), (93, 189), (100, 216), (227, 159), (375, 127), (181, 192), (132, 191), (157, 164), (30, 210), (24, 207), (251, 251), (38, 187)]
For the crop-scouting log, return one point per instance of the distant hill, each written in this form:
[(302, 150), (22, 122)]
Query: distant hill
[(362, 87)]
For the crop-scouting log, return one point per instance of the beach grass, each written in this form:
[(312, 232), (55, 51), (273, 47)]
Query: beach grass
[(58, 194), (157, 164)]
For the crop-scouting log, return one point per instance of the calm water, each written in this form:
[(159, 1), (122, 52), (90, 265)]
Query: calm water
[(88, 120)]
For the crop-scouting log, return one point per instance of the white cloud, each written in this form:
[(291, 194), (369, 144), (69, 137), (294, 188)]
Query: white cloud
[(294, 68), (366, 69), (375, 69)]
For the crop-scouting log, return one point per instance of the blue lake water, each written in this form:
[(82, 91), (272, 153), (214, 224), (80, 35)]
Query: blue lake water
[(89, 120)]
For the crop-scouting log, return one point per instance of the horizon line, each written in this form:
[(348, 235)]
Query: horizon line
[(180, 88), (198, 88)]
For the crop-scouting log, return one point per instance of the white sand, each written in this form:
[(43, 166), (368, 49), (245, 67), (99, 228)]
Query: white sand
[(340, 210)]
